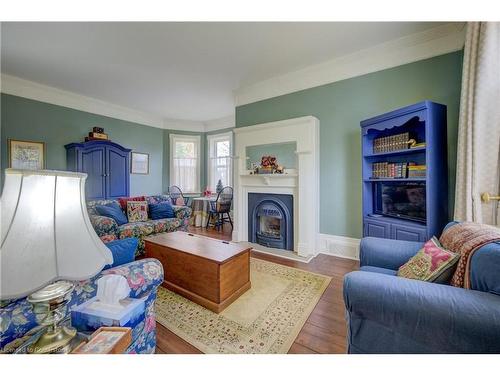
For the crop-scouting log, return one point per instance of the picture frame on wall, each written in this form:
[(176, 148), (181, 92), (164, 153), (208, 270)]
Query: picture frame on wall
[(26, 154), (139, 163)]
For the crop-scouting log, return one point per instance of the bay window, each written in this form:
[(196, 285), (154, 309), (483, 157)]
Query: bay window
[(219, 160), (185, 162)]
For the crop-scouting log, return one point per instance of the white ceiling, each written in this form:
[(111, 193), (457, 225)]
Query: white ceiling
[(179, 70)]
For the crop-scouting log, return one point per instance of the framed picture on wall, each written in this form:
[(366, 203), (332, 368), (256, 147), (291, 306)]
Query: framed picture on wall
[(26, 154), (140, 163)]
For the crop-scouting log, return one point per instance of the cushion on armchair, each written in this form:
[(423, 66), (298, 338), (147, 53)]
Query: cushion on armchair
[(431, 263), (123, 251)]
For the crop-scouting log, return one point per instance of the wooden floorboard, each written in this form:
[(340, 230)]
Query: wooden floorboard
[(325, 329)]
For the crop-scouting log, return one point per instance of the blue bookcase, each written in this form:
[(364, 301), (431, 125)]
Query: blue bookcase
[(405, 208), (107, 165)]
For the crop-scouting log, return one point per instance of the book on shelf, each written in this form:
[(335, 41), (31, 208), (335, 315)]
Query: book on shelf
[(417, 171), (397, 170), (391, 143)]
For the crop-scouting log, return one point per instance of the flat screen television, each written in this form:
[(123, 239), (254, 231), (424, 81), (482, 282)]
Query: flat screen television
[(401, 200)]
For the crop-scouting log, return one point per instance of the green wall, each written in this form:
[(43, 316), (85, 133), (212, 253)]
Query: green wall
[(26, 119), (340, 106)]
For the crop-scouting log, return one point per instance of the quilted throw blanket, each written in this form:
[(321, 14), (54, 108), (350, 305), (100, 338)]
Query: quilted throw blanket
[(465, 238)]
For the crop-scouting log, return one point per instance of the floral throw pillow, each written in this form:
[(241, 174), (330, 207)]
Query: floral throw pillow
[(430, 263), (137, 211)]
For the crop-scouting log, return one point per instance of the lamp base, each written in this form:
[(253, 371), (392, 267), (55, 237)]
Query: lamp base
[(55, 342), (49, 305)]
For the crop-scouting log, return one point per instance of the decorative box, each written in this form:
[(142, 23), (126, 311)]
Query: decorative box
[(95, 135), (89, 316), (106, 340)]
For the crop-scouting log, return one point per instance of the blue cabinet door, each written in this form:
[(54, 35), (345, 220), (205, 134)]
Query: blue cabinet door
[(375, 228), (408, 233), (92, 163), (106, 164), (117, 172)]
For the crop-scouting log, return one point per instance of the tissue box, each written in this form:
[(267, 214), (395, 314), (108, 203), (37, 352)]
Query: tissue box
[(89, 316)]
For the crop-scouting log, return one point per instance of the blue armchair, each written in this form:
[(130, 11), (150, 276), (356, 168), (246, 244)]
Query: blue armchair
[(17, 321), (390, 314)]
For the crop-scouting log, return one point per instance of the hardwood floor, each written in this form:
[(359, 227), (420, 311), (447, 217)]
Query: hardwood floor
[(325, 329)]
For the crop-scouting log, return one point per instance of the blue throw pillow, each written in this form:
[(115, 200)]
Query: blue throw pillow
[(161, 211), (123, 251), (114, 211)]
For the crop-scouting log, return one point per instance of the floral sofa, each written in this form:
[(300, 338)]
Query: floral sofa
[(17, 320), (108, 230)]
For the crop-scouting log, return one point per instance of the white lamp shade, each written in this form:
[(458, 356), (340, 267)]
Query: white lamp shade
[(46, 232)]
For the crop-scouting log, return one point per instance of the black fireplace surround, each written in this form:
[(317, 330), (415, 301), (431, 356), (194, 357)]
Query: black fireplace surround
[(270, 220)]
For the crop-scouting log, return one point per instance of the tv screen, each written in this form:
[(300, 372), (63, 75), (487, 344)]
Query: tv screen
[(406, 201)]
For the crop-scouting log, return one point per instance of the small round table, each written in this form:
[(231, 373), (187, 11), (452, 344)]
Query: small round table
[(201, 208)]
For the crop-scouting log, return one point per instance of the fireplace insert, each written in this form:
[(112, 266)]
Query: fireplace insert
[(270, 220)]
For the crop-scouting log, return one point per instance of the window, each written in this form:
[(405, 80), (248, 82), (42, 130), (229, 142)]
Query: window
[(220, 160), (185, 162)]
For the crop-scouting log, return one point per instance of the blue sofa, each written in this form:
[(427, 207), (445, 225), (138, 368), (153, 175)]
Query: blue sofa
[(17, 320), (390, 314)]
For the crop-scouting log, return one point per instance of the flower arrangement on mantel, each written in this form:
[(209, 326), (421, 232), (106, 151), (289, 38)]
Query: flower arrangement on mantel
[(268, 165)]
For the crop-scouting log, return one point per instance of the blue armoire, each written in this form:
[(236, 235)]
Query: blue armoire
[(107, 165), (399, 204)]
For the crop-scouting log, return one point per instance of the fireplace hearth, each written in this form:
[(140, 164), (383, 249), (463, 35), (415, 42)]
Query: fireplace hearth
[(270, 220)]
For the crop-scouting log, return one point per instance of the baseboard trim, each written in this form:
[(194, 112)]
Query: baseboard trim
[(294, 257), (339, 246)]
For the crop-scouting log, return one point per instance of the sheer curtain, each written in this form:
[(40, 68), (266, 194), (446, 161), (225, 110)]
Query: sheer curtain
[(185, 162), (186, 174), (479, 126)]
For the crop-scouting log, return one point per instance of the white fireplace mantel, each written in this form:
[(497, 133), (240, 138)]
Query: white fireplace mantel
[(302, 183)]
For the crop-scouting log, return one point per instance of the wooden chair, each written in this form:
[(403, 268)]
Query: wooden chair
[(219, 207), (176, 192)]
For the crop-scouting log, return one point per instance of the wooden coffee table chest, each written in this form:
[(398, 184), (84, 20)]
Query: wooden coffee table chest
[(210, 272)]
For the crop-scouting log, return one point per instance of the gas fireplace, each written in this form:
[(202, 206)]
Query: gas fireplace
[(270, 220)]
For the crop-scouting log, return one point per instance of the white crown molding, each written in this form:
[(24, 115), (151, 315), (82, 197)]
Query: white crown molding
[(276, 124), (47, 94), (339, 246), (433, 42), (193, 126), (220, 123), (32, 90)]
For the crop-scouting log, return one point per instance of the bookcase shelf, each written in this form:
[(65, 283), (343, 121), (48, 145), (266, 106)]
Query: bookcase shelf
[(392, 179), (396, 153), (426, 123)]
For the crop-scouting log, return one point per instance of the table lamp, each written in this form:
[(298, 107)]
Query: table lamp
[(47, 241)]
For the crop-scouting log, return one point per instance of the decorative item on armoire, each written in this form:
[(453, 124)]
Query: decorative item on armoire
[(97, 134), (107, 165)]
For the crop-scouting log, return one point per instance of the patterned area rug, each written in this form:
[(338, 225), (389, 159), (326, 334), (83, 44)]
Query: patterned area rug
[(266, 319)]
